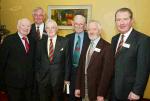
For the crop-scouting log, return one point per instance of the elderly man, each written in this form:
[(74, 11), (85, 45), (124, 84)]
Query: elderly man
[(52, 67), (132, 62), (16, 63), (38, 26), (76, 43), (95, 66)]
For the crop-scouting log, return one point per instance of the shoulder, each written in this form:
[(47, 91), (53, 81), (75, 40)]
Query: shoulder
[(70, 35)]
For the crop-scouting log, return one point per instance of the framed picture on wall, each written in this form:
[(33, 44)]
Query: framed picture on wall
[(64, 15)]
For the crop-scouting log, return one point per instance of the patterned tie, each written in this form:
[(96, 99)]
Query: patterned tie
[(37, 33), (76, 54), (51, 51), (120, 44), (89, 54), (27, 46)]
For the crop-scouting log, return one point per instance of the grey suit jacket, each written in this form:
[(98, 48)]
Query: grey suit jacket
[(56, 72), (131, 65)]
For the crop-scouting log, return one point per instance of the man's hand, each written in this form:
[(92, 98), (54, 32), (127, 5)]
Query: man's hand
[(77, 93), (133, 96), (100, 98)]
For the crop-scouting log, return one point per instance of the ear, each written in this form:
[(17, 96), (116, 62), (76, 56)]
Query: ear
[(72, 22)]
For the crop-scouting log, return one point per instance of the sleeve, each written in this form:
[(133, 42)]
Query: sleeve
[(143, 66), (107, 72)]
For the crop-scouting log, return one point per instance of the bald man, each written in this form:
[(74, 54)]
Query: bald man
[(16, 63)]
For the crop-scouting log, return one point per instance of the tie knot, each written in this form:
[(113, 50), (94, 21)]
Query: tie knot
[(37, 27), (51, 40), (24, 38)]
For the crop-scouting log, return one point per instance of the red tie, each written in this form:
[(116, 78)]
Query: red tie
[(27, 46), (51, 51), (120, 44)]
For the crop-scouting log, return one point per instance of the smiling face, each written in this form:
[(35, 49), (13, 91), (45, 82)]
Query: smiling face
[(79, 23), (24, 26), (51, 28), (123, 21), (94, 30), (38, 16)]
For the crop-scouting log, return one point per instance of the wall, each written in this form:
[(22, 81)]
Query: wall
[(102, 10)]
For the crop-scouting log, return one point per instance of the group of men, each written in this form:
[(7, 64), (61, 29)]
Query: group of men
[(93, 68)]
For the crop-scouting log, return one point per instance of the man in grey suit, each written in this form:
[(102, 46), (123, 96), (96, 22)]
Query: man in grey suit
[(132, 52), (52, 64)]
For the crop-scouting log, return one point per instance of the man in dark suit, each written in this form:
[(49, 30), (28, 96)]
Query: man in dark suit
[(38, 26), (16, 62), (80, 37), (95, 67), (52, 66), (132, 52)]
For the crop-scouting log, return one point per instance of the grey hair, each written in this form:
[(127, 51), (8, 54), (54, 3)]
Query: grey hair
[(51, 21), (96, 22), (79, 17), (22, 19), (38, 8)]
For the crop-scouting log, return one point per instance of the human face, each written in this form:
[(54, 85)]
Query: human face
[(123, 22), (93, 31), (38, 16), (79, 25), (24, 27), (51, 29)]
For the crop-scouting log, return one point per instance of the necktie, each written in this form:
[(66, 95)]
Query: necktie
[(27, 46), (120, 44), (37, 33), (51, 51), (76, 54), (89, 54)]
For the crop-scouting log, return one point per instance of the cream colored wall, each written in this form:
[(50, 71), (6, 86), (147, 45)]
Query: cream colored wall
[(102, 10)]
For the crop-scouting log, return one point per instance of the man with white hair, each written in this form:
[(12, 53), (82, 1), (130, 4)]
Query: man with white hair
[(38, 26), (51, 64), (16, 65), (95, 66), (77, 40)]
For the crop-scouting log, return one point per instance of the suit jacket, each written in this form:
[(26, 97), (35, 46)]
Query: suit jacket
[(71, 38), (15, 64), (33, 31), (131, 65), (99, 71), (54, 73)]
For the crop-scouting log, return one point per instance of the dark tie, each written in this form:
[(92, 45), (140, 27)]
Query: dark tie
[(27, 46), (76, 54), (37, 33), (120, 44), (51, 51)]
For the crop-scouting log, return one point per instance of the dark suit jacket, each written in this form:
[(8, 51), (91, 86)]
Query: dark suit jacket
[(33, 31), (15, 64), (56, 72), (99, 72), (71, 38), (131, 65)]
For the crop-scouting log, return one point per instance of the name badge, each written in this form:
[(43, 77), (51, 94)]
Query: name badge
[(126, 45), (97, 49)]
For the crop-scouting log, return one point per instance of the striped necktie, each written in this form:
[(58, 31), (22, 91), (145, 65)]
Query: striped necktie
[(51, 51), (27, 46), (120, 44)]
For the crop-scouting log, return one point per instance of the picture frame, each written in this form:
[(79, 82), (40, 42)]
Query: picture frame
[(64, 14)]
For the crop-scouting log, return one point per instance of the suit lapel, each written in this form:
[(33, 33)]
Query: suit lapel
[(129, 41), (57, 46), (20, 44), (95, 54)]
